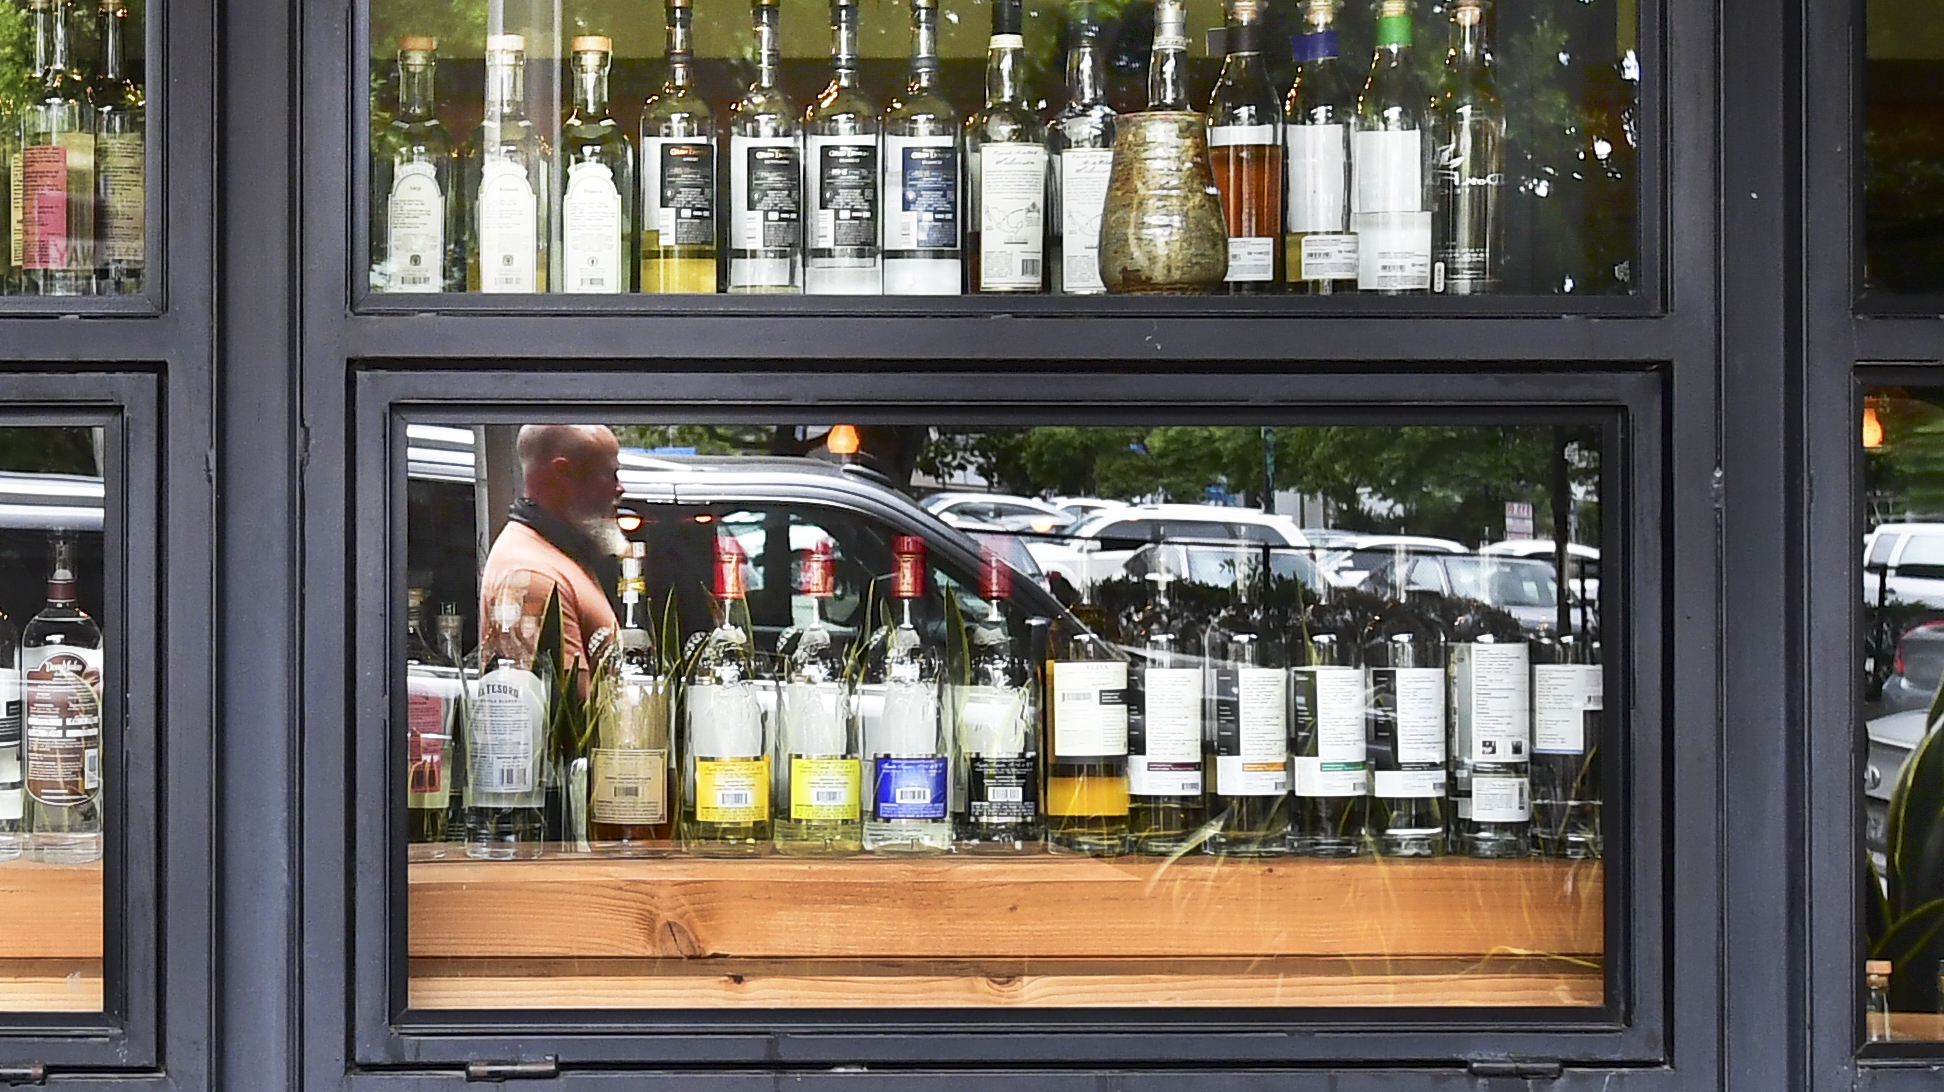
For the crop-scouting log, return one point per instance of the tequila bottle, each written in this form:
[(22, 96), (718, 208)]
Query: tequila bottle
[(1389, 148), (1319, 250), (1245, 148), (13, 790), (995, 785), (506, 168), (1491, 734), (1468, 124), (413, 223), (678, 173), (120, 121), (1005, 154), (1567, 710), (1405, 714), (630, 812), (921, 175), (61, 664), (1876, 1003), (1086, 736), (1246, 718), (818, 810), (432, 700), (1080, 142), (841, 174), (57, 173), (1332, 778), (1164, 724), (910, 753), (765, 176), (595, 180), (725, 752), (506, 740)]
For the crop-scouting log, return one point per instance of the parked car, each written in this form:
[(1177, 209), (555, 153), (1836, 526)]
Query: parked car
[(1888, 741), (1350, 565), (1522, 587), (998, 509), (1098, 546), (1904, 563), (1915, 671), (1583, 561), (1218, 565), (1084, 506)]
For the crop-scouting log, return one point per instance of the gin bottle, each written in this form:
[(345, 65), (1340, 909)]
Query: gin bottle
[(507, 235), (1246, 718), (1405, 715), (1080, 142), (906, 742), (506, 735), (1005, 155), (726, 752), (1319, 250), (412, 223), (120, 120), (841, 174), (1389, 148), (1086, 737), (678, 173), (57, 173), (1328, 752), (1491, 734), (1468, 167), (595, 180), (13, 790), (1245, 148), (1567, 710), (1164, 724), (630, 812), (995, 784), (61, 668), (922, 185), (818, 810), (432, 699), (765, 176)]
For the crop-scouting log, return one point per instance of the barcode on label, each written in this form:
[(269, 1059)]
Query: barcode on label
[(91, 769), (414, 278), (629, 791), (827, 796), (506, 281), (1029, 267), (914, 795), (510, 777), (1005, 794), (732, 799)]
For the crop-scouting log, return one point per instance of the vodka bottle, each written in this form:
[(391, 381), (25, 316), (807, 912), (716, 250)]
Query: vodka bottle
[(922, 183), (1468, 162), (841, 196), (1491, 734), (725, 751), (1080, 143), (678, 173), (765, 176), (61, 666), (1005, 156), (432, 700), (910, 753), (818, 780), (1390, 210), (507, 235), (1328, 755), (1567, 710), (120, 122), (630, 810), (506, 735), (1245, 148), (1405, 714), (1246, 721), (995, 713), (1164, 725), (595, 179), (57, 165), (1319, 250), (1086, 737), (412, 223)]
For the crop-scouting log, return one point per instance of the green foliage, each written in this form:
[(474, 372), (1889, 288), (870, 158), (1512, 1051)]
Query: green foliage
[(45, 450), (1912, 914)]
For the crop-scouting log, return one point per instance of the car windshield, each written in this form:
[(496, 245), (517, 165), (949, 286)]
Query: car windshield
[(1504, 582), (1012, 550), (1217, 565)]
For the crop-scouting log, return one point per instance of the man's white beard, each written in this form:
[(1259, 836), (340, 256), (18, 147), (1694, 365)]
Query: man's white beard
[(605, 532)]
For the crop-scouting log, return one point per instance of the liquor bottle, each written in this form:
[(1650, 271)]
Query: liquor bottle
[(1389, 210), (1005, 154), (13, 791), (1405, 714), (1491, 734), (725, 751), (841, 176), (595, 180), (507, 237), (1246, 724), (678, 174), (765, 176), (1319, 250), (1245, 147), (411, 184), (1876, 1002), (630, 812), (995, 784), (506, 740), (40, 15), (910, 753), (1080, 142), (432, 699), (1086, 736), (1567, 710), (60, 665), (1468, 161), (1164, 725), (449, 625), (818, 795), (120, 122), (57, 155), (921, 175), (1328, 752), (1168, 59)]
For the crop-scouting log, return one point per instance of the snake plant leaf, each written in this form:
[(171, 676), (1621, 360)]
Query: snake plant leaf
[(1914, 835), (1913, 944), (1876, 905)]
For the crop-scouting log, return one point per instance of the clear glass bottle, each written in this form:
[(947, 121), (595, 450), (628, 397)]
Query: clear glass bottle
[(1390, 206), (1876, 1003), (1405, 715), (61, 664), (1246, 723), (1086, 735), (1491, 734), (1168, 59), (725, 748), (841, 175), (1328, 752), (630, 809), (818, 779), (1005, 157), (1319, 250), (40, 14), (120, 123), (922, 185), (910, 753), (506, 744), (432, 699), (451, 647), (1245, 147), (1468, 161), (594, 244), (1164, 723), (995, 714), (413, 221), (1567, 710), (506, 169), (678, 173), (13, 788), (1080, 144), (765, 175), (57, 164)]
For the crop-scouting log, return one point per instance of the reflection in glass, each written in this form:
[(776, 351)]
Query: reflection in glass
[(1903, 143)]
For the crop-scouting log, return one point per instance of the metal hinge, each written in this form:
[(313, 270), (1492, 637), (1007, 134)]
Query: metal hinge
[(541, 1070), (1529, 1069), (23, 1074)]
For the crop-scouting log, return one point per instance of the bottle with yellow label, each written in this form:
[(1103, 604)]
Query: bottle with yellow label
[(725, 752), (1086, 736), (816, 760), (629, 810), (678, 173)]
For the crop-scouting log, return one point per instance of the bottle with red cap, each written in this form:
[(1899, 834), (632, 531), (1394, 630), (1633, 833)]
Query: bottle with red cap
[(725, 751), (817, 776), (995, 714), (904, 727)]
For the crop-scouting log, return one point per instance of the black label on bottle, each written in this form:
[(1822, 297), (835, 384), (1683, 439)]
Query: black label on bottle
[(1228, 712), (10, 724), (847, 188), (776, 193), (1137, 710), (688, 187), (931, 190), (1002, 788)]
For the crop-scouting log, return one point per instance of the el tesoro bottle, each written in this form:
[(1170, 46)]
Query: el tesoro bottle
[(1468, 161), (765, 175), (594, 242), (61, 671), (841, 197), (432, 700), (818, 776), (413, 203), (57, 172), (923, 190), (725, 746), (506, 735), (1086, 797), (1246, 723), (120, 122), (1319, 249), (1405, 716), (1164, 724), (1080, 147), (678, 173), (1568, 709), (1328, 751), (909, 751), (1245, 148), (1491, 734), (995, 716), (1389, 149), (1005, 157), (630, 799), (508, 237)]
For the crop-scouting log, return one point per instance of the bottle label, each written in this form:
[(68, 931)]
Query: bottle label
[(122, 210), (509, 232), (908, 723), (812, 717), (1083, 197), (1496, 799), (1490, 699), (63, 724), (678, 191), (1407, 731), (1564, 698), (1326, 258), (593, 251), (1089, 709), (766, 187), (993, 720), (823, 788), (1393, 251), (1164, 734), (425, 748), (16, 186), (1390, 171), (732, 790), (44, 206), (508, 726), (415, 229), (909, 788), (1002, 789), (12, 799), (1012, 216), (725, 720), (1251, 259), (1330, 717), (628, 787), (922, 176), (844, 204), (1319, 173), (1251, 731), (1223, 136)]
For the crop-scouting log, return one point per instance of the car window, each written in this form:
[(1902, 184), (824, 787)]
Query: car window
[(1883, 549), (1923, 555), (1259, 532), (1197, 530), (1425, 577), (1001, 509), (1128, 534)]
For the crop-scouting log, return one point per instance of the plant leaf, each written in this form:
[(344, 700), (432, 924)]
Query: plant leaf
[(1914, 944)]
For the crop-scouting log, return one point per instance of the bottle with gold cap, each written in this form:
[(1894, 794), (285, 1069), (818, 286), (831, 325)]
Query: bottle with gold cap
[(678, 173), (594, 244), (1876, 1006), (1389, 150), (1319, 250), (1468, 126), (765, 175), (1245, 147), (507, 234), (412, 200)]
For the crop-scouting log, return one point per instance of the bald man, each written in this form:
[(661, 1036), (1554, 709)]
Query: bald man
[(561, 536)]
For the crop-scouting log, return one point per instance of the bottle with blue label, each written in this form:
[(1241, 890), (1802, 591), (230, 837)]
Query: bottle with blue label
[(908, 753)]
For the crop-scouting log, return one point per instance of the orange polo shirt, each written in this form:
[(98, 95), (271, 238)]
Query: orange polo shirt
[(587, 622)]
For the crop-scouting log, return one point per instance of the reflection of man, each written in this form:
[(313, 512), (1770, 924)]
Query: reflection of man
[(561, 536)]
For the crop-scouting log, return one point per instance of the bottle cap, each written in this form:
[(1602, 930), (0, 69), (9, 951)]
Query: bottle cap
[(995, 576), (729, 583), (908, 574), (1877, 966), (415, 597), (418, 43), (1006, 19), (817, 574), (1391, 9), (505, 43), (593, 43)]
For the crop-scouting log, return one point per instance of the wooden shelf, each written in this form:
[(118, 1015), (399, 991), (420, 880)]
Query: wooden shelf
[(50, 937)]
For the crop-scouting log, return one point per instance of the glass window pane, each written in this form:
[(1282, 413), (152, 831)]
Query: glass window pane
[(1904, 146), (836, 147), (741, 729)]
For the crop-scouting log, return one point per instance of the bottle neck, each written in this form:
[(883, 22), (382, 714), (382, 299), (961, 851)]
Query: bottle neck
[(816, 613), (591, 85), (60, 593), (680, 57), (43, 39), (924, 47), (1168, 64), (505, 86), (907, 618), (1467, 37), (1393, 37), (1002, 69), (767, 51), (58, 57), (1083, 71), (630, 612), (415, 85), (843, 45), (108, 27)]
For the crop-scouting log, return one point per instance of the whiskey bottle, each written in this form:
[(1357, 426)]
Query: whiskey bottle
[(1567, 710), (1319, 250), (1164, 725), (818, 812), (1388, 151), (678, 174), (630, 812), (120, 121), (595, 180), (411, 184), (725, 749), (507, 236), (1086, 736), (1332, 779), (921, 175), (765, 176), (1468, 138), (1005, 153), (506, 740), (13, 790), (1080, 143), (60, 664), (841, 175), (57, 157), (1491, 734), (910, 753), (995, 784), (1246, 718), (432, 699), (1405, 714), (1245, 147)]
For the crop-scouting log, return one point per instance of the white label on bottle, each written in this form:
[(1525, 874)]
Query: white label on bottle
[(813, 718), (1420, 715), (1222, 136), (921, 184), (509, 232), (725, 720), (592, 251), (1251, 259), (992, 720), (1261, 765), (1318, 161), (1315, 777), (1089, 709), (908, 722), (415, 229), (1172, 727), (1083, 198), (120, 163), (1012, 215), (1328, 258), (1339, 713), (1490, 697), (1496, 799), (507, 730), (765, 209), (1562, 695), (1390, 171), (1393, 251), (1409, 784)]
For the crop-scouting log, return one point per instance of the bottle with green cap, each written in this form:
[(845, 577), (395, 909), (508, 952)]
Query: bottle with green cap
[(1389, 151)]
